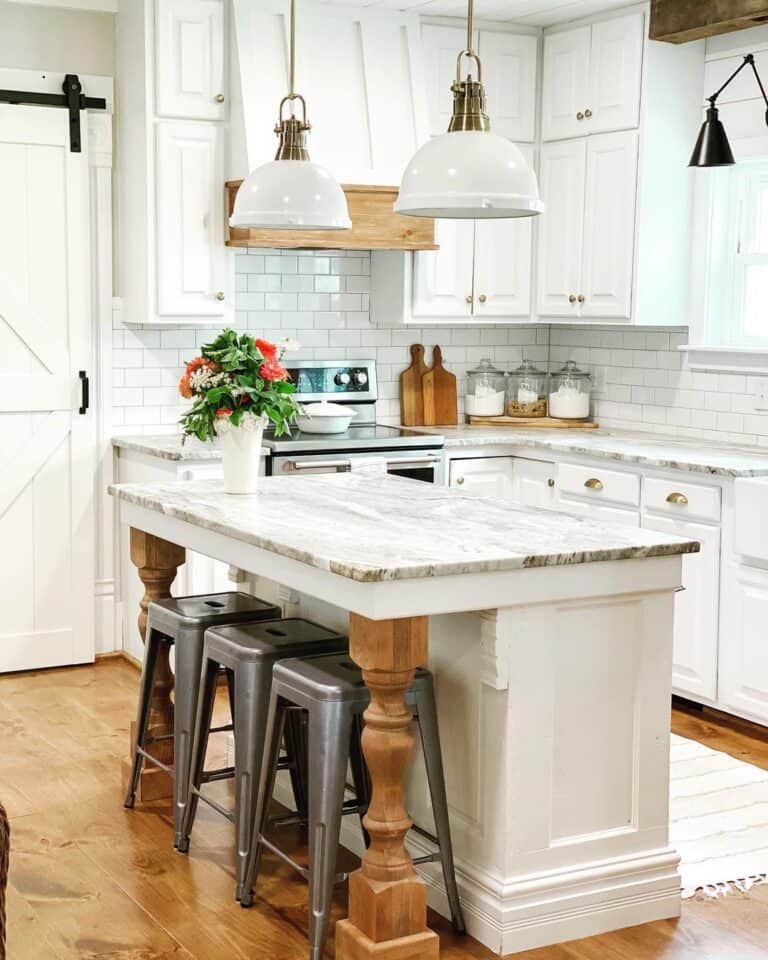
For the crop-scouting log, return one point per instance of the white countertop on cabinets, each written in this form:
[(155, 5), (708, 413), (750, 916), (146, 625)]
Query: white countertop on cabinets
[(623, 446), (168, 447)]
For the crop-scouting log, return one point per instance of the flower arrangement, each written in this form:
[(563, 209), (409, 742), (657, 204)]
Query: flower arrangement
[(237, 382)]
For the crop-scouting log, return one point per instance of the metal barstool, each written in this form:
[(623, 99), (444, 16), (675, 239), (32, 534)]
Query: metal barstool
[(249, 652), (181, 622), (332, 691)]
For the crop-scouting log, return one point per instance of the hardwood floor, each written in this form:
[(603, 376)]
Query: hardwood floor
[(91, 880)]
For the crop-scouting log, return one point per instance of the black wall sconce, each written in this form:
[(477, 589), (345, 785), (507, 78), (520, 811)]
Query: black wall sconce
[(712, 148)]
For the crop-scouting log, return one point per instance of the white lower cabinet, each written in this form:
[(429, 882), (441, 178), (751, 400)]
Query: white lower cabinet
[(530, 483), (695, 655), (609, 514), (743, 666)]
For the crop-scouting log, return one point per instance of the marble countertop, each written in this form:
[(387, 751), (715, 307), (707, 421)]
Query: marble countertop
[(625, 446), (168, 447), (376, 527)]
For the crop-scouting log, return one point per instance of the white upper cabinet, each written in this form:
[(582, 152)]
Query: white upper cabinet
[(616, 66), (561, 227), (189, 59), (609, 225), (592, 78), (503, 254), (509, 75), (192, 262), (586, 238), (442, 279), (566, 83), (360, 72)]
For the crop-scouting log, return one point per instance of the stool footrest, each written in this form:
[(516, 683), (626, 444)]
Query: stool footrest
[(229, 814), (428, 858), (298, 867), (158, 763), (223, 773), (226, 728)]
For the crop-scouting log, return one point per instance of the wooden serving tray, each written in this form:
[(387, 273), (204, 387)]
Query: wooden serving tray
[(549, 423)]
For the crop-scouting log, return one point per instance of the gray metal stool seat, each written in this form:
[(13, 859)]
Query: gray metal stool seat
[(332, 691), (181, 622), (250, 652)]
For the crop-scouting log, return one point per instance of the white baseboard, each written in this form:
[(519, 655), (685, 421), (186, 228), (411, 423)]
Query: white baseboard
[(530, 912)]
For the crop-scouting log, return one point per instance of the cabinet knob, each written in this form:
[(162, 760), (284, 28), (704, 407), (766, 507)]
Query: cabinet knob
[(678, 498), (220, 295), (579, 115), (220, 98), (581, 298), (593, 484), (482, 298), (460, 481), (551, 482), (572, 298), (588, 114), (468, 299)]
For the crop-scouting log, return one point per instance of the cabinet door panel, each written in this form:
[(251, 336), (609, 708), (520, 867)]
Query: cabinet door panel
[(743, 666), (509, 75), (609, 225), (694, 670), (484, 476), (503, 263), (442, 279), (441, 46), (616, 62), (533, 483), (192, 261), (190, 59), (561, 227), (566, 83)]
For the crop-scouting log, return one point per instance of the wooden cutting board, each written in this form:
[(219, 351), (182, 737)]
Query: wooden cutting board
[(412, 389), (440, 402)]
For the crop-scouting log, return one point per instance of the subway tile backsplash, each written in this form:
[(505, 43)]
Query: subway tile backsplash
[(322, 300)]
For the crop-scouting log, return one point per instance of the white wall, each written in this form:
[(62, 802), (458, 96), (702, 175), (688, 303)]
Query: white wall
[(48, 38)]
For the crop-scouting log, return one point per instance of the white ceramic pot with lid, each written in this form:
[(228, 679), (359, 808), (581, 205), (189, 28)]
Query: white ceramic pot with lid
[(324, 417)]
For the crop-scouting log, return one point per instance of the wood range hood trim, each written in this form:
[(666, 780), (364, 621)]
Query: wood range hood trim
[(375, 226)]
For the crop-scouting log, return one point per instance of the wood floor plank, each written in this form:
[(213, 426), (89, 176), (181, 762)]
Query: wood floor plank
[(90, 880)]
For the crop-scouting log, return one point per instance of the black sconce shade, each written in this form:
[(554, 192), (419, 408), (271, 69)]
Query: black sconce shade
[(712, 148)]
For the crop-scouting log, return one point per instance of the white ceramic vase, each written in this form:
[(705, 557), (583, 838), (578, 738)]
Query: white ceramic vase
[(241, 456)]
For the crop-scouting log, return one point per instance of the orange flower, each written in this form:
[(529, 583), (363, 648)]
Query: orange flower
[(223, 412), (184, 388), (201, 362), (273, 371), (268, 350)]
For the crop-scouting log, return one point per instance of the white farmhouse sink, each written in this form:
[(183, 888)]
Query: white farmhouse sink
[(751, 517)]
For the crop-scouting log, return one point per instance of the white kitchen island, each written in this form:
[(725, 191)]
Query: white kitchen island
[(551, 640)]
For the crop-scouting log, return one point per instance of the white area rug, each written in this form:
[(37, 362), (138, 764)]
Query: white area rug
[(719, 819)]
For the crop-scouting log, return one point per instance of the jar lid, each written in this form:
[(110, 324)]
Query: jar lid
[(485, 366), (529, 368), (572, 372)]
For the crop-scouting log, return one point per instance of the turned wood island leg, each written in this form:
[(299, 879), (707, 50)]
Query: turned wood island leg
[(157, 562), (387, 899)]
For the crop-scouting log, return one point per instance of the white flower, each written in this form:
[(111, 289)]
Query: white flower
[(288, 345)]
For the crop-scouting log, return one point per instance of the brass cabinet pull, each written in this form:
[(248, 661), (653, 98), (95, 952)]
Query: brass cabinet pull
[(550, 482), (588, 114), (220, 98), (572, 298), (581, 298), (459, 481), (579, 115), (482, 298), (678, 498), (220, 295), (593, 484), (468, 299)]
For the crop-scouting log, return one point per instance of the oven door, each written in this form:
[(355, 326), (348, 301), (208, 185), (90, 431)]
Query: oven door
[(421, 465)]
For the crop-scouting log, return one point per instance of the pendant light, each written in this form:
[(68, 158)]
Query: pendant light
[(291, 192), (712, 148), (469, 172)]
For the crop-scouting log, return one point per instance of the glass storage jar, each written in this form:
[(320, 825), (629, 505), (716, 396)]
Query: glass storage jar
[(570, 390), (486, 389), (527, 391)]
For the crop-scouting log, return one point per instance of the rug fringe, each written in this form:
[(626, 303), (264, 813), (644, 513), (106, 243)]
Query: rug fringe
[(713, 891)]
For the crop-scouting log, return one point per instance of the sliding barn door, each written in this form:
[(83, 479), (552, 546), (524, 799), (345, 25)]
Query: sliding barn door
[(46, 448)]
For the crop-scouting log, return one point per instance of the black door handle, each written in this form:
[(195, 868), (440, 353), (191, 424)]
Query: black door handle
[(85, 392)]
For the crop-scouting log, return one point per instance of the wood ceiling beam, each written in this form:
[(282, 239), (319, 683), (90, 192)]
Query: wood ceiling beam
[(679, 21)]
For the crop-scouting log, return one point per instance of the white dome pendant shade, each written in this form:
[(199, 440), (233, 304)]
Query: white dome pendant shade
[(469, 172), (291, 192)]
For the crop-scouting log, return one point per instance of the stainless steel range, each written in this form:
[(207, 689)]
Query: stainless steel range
[(352, 383)]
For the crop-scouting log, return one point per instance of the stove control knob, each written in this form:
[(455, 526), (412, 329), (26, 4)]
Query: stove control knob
[(341, 379), (361, 377)]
